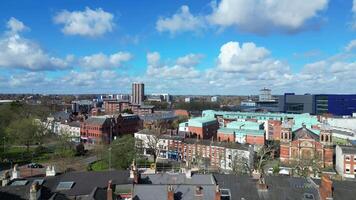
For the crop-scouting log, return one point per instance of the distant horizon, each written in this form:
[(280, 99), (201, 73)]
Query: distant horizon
[(173, 94), (190, 47)]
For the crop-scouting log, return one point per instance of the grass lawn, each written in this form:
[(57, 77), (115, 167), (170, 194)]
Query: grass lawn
[(100, 165), (20, 155), (340, 141)]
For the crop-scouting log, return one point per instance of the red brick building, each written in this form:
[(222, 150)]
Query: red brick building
[(98, 129), (181, 112), (115, 106), (203, 128), (304, 145), (274, 129)]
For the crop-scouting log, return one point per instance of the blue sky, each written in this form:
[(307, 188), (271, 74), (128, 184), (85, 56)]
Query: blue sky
[(179, 47)]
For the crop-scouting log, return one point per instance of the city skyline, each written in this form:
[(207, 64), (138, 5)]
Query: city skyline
[(180, 47)]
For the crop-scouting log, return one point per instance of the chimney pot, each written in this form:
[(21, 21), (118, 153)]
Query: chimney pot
[(217, 193), (326, 188), (35, 191), (170, 193), (109, 191)]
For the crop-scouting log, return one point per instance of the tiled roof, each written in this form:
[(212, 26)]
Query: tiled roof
[(96, 120), (304, 133)]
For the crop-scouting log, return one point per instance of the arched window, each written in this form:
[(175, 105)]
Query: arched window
[(322, 138)]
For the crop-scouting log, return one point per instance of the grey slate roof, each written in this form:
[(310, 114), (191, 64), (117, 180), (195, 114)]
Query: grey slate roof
[(177, 178), (181, 192), (96, 120), (348, 149), (61, 116), (343, 190), (84, 184), (240, 186), (74, 124), (279, 187), (304, 132)]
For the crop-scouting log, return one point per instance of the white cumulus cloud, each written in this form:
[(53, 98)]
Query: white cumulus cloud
[(14, 25), (100, 60), (184, 67), (266, 16), (236, 58), (181, 21), (351, 46), (89, 22), (19, 52)]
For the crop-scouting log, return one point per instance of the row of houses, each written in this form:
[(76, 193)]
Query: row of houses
[(96, 129), (193, 151)]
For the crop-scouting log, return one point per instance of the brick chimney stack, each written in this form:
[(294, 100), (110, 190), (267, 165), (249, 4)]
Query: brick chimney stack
[(109, 191), (35, 191), (326, 188), (170, 193), (199, 193), (217, 193)]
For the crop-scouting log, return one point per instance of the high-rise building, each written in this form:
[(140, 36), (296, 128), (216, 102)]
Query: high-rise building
[(138, 93), (265, 95)]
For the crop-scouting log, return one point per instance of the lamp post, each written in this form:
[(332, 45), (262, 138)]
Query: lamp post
[(4, 144), (109, 158)]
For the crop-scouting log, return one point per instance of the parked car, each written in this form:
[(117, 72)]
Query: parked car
[(34, 165)]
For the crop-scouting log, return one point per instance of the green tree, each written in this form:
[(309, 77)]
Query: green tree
[(24, 131), (128, 111), (123, 151)]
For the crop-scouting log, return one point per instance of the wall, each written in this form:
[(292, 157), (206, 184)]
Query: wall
[(339, 160), (251, 139)]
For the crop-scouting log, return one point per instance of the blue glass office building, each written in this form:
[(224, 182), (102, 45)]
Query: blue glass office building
[(335, 104)]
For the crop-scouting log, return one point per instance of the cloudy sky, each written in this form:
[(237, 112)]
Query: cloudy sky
[(178, 46)]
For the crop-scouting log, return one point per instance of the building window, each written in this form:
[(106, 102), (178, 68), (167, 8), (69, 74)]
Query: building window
[(354, 158), (347, 157), (347, 169), (229, 157)]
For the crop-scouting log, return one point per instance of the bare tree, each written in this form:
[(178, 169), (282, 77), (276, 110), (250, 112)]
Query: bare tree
[(263, 155), (152, 143), (240, 164), (307, 165)]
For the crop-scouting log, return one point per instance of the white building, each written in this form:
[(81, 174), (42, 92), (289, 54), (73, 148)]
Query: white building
[(214, 99), (150, 142), (343, 123), (265, 95), (58, 128), (345, 164), (187, 99), (235, 156)]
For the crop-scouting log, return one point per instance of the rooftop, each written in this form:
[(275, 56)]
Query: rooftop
[(201, 121), (348, 149)]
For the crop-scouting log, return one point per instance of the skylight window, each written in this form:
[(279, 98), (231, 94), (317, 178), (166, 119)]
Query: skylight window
[(65, 185), (19, 182)]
